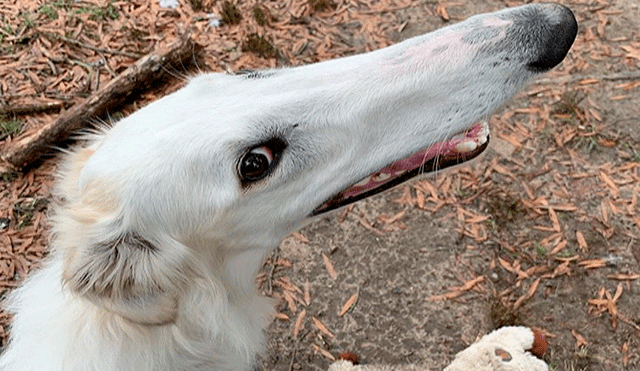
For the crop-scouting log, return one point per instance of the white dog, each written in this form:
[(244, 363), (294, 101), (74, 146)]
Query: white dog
[(166, 218)]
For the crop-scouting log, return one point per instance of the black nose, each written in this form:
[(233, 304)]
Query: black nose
[(560, 35)]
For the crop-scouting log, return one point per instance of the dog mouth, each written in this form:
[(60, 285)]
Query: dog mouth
[(454, 151)]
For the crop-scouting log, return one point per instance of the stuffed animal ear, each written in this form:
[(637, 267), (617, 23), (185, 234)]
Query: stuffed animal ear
[(128, 275)]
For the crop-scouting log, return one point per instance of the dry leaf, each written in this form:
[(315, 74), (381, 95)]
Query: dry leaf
[(307, 292), (530, 110), (478, 219), (559, 247), (626, 359), (582, 243), (446, 296), (405, 198), (610, 183), (442, 12), (506, 265), (554, 220), (327, 263), (458, 290), (426, 186), (299, 323), (592, 263), (604, 211), (321, 327), (529, 294), (618, 293), (534, 287), (469, 284), (588, 82), (348, 304), (300, 237), (561, 269), (606, 142), (287, 285), (632, 52), (624, 277), (395, 218), (420, 199), (291, 302), (369, 227), (565, 207), (580, 340), (325, 353)]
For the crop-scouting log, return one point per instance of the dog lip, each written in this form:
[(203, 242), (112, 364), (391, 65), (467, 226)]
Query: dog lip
[(436, 157)]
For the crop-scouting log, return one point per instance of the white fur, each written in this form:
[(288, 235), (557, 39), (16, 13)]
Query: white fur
[(157, 243)]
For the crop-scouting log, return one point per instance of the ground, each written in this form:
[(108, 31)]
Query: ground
[(541, 231)]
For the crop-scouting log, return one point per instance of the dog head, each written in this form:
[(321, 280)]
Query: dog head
[(235, 163)]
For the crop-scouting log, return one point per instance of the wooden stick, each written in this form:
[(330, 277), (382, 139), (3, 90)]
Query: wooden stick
[(138, 77), (30, 108), (633, 75), (97, 49)]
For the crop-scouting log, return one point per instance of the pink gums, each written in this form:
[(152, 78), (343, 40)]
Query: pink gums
[(444, 149)]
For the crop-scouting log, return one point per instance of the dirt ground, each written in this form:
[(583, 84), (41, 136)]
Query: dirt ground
[(552, 156), (541, 231)]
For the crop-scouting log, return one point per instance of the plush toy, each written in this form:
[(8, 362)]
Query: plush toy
[(506, 349)]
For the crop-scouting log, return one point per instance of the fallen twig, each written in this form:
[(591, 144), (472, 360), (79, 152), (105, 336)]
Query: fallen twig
[(137, 77), (628, 321), (8, 110), (98, 49), (635, 75)]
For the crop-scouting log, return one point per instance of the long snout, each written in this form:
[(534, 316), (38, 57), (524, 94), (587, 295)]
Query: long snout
[(420, 100)]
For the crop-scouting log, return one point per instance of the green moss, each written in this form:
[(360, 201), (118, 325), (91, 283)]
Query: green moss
[(569, 103), (259, 45), (24, 211), (230, 13), (100, 13), (503, 313), (322, 5), (50, 8), (27, 20), (9, 176), (9, 127), (196, 5), (261, 15)]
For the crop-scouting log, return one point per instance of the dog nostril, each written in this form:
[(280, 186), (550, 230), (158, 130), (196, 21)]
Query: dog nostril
[(560, 38)]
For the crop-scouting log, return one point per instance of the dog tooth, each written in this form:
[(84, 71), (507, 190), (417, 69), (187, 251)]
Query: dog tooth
[(381, 177), (467, 146), (484, 133), (363, 182)]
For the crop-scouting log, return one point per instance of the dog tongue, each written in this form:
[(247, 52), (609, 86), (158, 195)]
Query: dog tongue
[(460, 148)]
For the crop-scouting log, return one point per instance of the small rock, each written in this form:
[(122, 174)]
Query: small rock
[(171, 4)]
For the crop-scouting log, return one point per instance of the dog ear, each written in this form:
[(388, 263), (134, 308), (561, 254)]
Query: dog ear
[(128, 275)]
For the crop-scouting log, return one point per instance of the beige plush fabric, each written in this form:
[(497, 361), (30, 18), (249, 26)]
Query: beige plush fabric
[(502, 350)]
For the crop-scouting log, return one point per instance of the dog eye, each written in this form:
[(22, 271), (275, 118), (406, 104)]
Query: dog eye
[(256, 163), (260, 160)]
